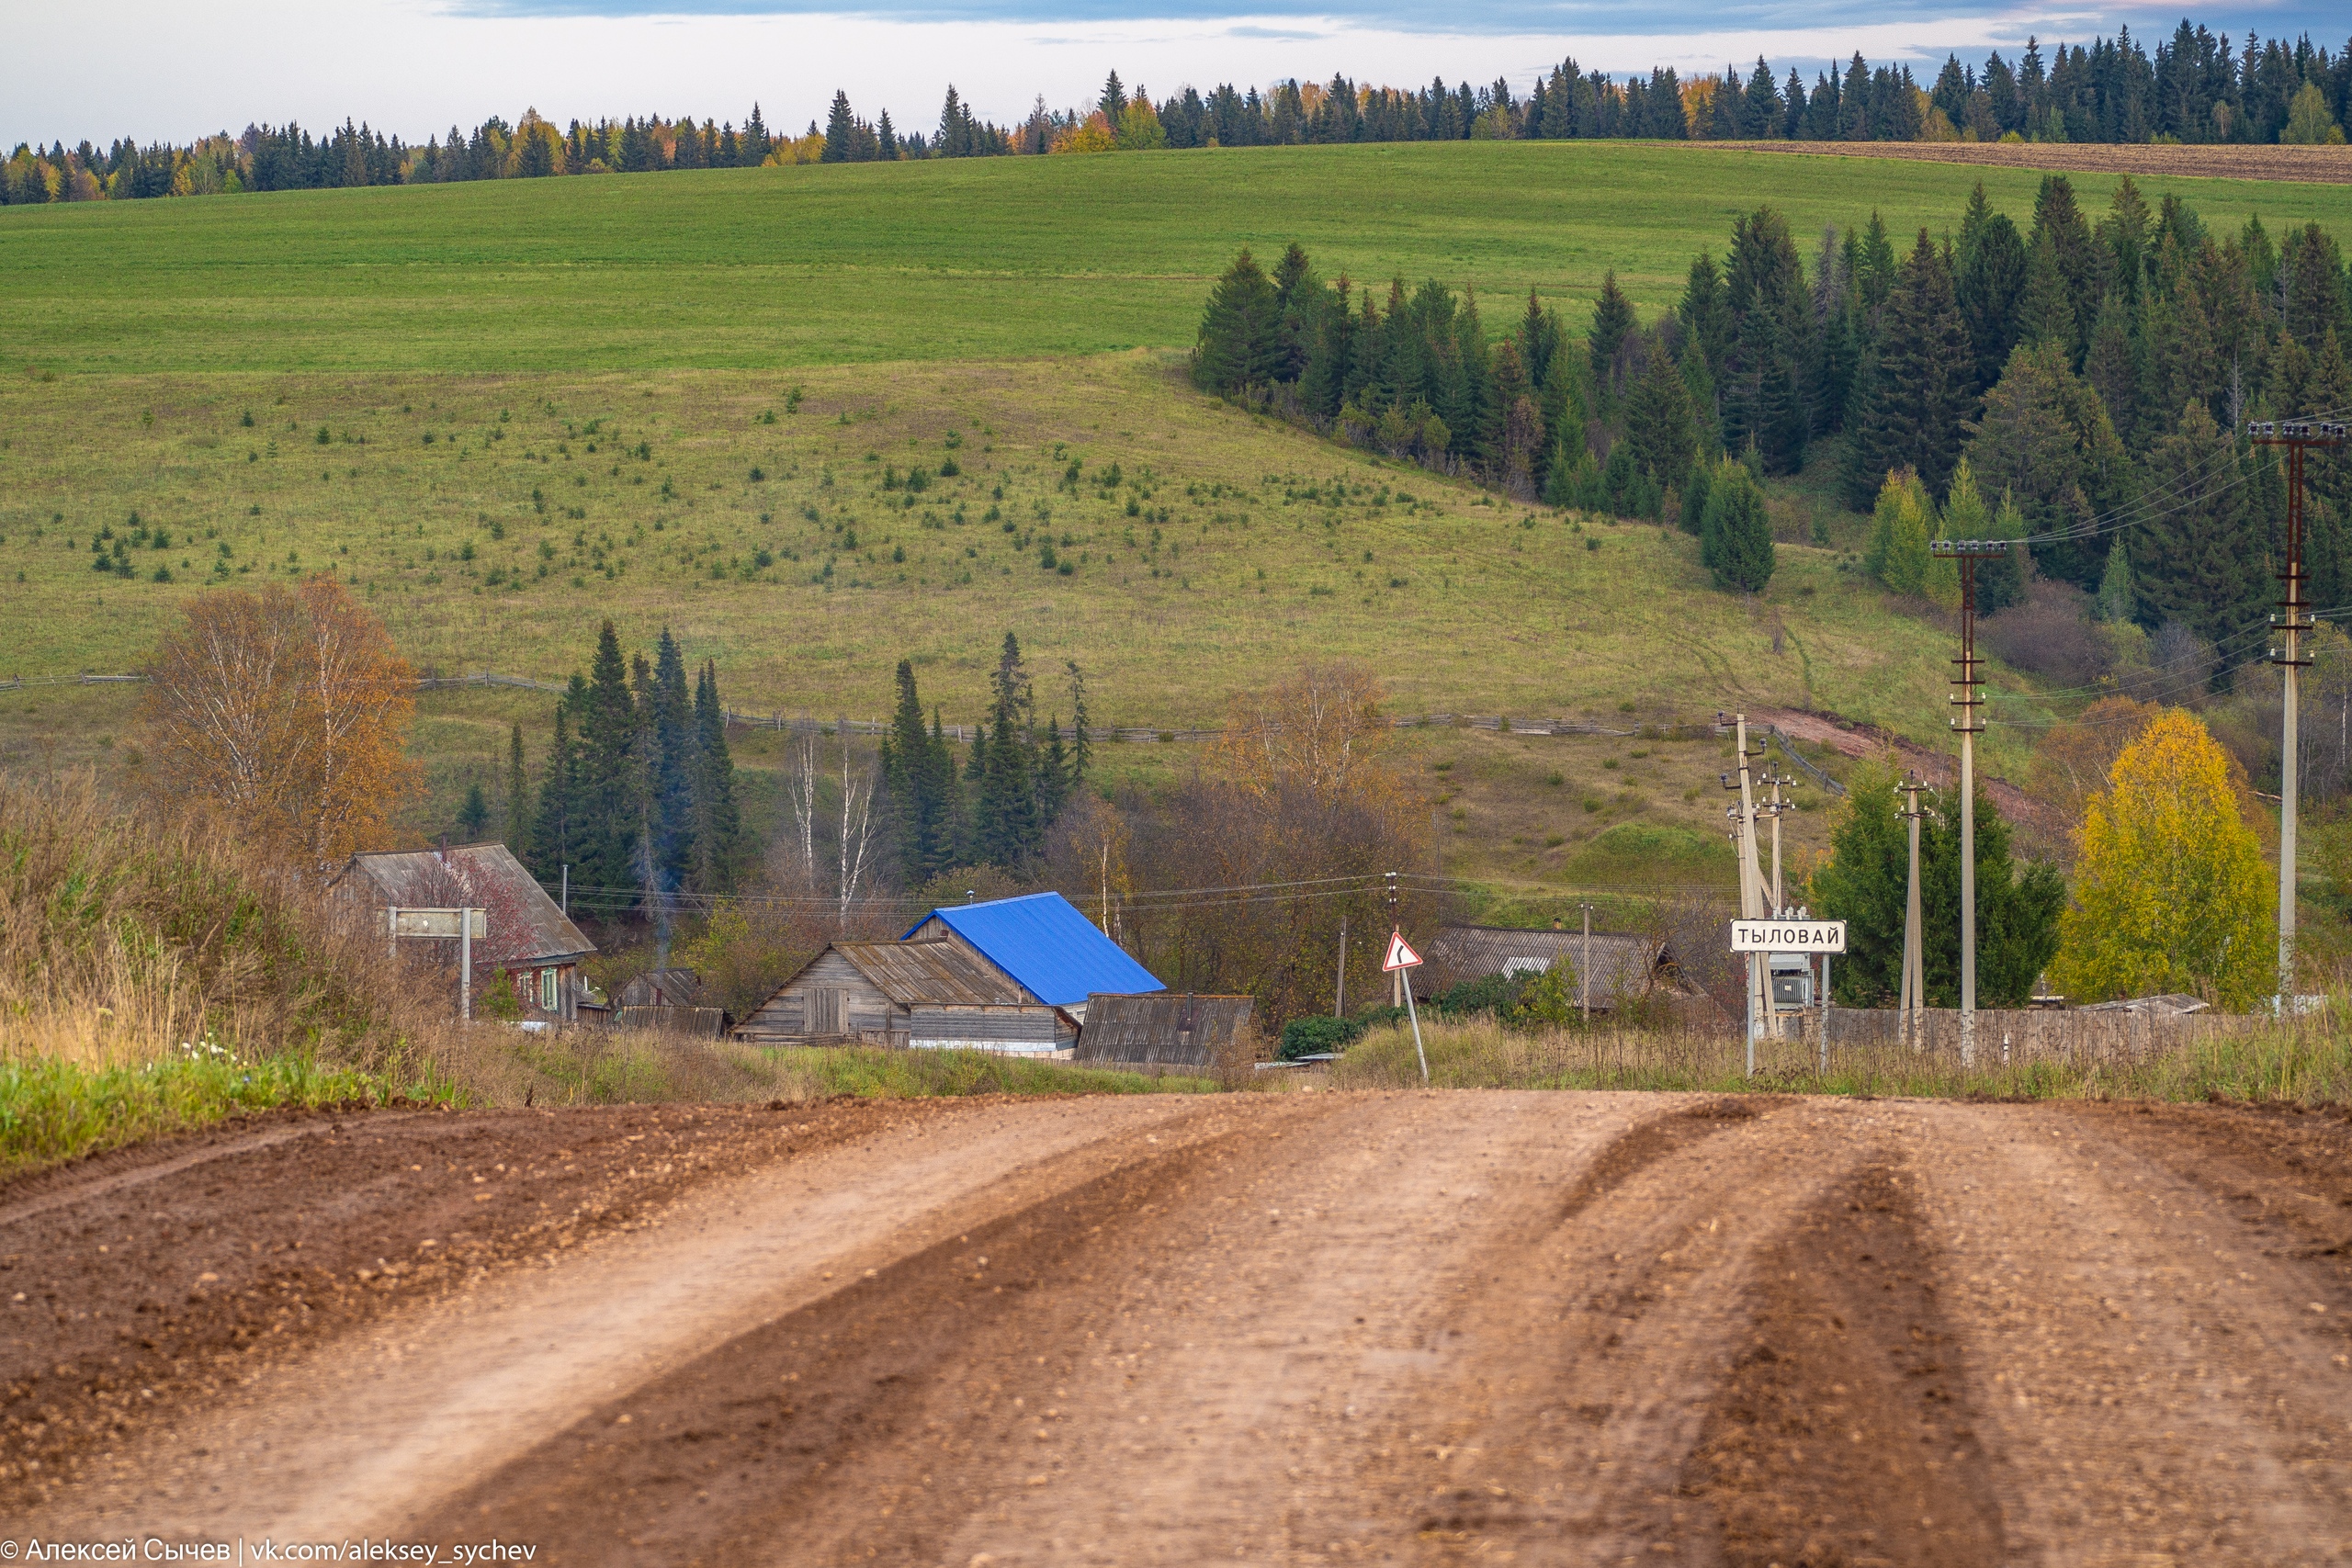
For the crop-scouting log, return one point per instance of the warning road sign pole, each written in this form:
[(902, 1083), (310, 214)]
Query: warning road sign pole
[(1400, 958)]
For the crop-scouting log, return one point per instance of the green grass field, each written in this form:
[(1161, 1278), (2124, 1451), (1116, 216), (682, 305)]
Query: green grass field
[(503, 412), (955, 260)]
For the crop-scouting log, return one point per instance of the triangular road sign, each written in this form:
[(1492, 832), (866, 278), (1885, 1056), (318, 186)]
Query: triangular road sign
[(1400, 953)]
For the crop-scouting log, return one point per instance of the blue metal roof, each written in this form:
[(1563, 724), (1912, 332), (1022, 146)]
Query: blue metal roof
[(1044, 942)]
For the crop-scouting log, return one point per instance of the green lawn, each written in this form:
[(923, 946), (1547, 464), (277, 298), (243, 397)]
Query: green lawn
[(957, 260)]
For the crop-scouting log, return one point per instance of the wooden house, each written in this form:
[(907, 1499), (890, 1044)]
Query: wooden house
[(1040, 943), (527, 943), (925, 995)]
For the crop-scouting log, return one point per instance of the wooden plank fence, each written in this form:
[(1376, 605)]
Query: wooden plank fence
[(1498, 723), (2004, 1035)]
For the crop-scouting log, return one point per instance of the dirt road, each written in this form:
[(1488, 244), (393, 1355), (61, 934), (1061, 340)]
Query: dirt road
[(1303, 1328)]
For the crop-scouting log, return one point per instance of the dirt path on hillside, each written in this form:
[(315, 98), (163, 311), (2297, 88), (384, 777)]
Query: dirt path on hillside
[(2319, 165), (1302, 1329)]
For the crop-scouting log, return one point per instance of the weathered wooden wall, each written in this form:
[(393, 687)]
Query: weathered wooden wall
[(1176, 1030), (2039, 1033)]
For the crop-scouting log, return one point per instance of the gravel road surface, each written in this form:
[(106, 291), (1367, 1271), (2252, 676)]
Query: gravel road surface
[(1314, 1327)]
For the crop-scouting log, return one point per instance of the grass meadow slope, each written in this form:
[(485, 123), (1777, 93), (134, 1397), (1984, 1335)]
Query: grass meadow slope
[(505, 410), (955, 260)]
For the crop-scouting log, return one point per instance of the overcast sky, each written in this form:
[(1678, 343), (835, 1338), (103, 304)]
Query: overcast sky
[(162, 69)]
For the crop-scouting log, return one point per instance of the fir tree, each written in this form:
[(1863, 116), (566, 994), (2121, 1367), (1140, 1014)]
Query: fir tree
[(1613, 318), (2119, 601), (1735, 533), (717, 824), (474, 816), (551, 847), (2045, 313), (669, 767), (2199, 559), (518, 799), (1240, 339), (920, 778), (2112, 367), (608, 817), (1920, 388)]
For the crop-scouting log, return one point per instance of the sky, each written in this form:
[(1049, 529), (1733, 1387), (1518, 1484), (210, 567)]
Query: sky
[(165, 70)]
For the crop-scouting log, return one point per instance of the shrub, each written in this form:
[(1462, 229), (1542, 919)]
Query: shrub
[(1310, 1036)]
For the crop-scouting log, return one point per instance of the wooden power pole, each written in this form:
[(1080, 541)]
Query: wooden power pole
[(2296, 437), (1968, 726)]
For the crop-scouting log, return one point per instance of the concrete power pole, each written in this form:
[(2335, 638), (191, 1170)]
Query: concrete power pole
[(2296, 437), (1968, 726), (1912, 999), (1751, 890)]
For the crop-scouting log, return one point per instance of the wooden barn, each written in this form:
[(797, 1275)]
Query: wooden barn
[(924, 994)]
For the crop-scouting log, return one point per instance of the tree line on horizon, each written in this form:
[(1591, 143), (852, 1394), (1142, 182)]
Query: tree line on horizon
[(2195, 87), (2003, 382)]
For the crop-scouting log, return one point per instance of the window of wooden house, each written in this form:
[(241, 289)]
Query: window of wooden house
[(548, 997)]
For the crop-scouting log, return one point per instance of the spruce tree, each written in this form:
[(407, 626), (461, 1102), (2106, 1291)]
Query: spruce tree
[(1921, 385), (518, 799), (473, 816), (2199, 559), (2112, 367), (1240, 339), (717, 821), (551, 846), (1081, 749), (1613, 318), (1765, 396), (1991, 286), (1735, 533), (669, 767), (609, 818), (841, 133), (1657, 418)]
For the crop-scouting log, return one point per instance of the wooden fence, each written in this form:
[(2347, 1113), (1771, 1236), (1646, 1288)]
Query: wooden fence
[(1500, 723), (2042, 1034)]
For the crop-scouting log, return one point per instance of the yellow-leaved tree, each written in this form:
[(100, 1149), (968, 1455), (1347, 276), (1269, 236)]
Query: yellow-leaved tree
[(2171, 893)]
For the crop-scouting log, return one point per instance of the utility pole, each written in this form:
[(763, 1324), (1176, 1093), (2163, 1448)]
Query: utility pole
[(1340, 997), (1912, 999), (1751, 887), (1397, 989), (1586, 967), (2296, 437), (1968, 726)]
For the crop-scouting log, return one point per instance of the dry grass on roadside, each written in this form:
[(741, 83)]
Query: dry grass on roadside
[(2309, 1063)]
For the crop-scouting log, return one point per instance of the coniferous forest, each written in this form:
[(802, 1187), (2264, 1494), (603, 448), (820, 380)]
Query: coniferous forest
[(2195, 87), (2021, 377), (637, 803)]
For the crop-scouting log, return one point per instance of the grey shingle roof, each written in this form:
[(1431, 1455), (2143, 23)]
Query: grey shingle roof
[(526, 928)]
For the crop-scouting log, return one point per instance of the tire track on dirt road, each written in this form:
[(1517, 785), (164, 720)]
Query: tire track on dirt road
[(1424, 1328), (389, 1420), (1174, 1363), (2157, 1381)]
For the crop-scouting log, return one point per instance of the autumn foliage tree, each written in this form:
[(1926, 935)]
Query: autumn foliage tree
[(288, 710), (2171, 892), (1296, 810)]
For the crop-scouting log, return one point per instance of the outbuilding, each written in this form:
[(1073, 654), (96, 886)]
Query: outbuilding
[(1624, 965), (924, 994)]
